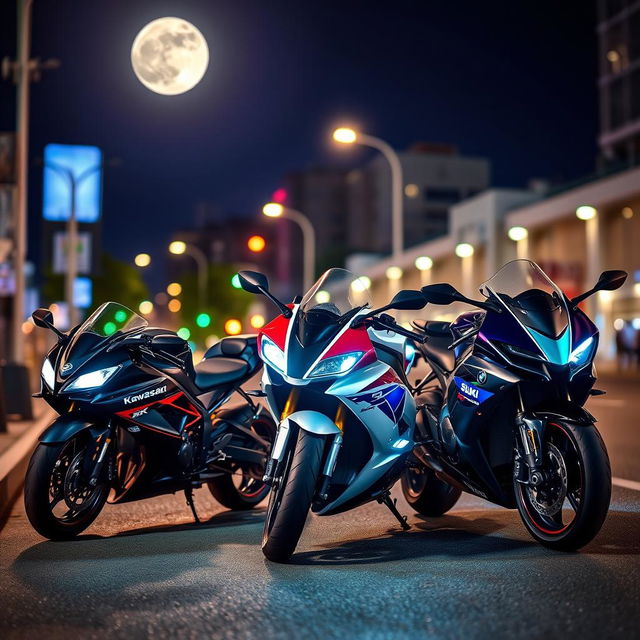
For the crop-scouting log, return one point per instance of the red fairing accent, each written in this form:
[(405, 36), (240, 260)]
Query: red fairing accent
[(386, 378), (276, 330), (351, 340)]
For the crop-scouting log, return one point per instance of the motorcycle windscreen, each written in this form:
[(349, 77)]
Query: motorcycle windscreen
[(324, 311), (537, 303), (107, 320)]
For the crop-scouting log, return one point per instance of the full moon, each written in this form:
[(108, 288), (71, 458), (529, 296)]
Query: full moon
[(169, 56)]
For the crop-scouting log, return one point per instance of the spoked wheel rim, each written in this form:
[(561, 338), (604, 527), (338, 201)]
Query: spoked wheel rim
[(556, 505), (70, 497)]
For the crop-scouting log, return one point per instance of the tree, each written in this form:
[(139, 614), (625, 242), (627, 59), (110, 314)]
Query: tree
[(117, 281)]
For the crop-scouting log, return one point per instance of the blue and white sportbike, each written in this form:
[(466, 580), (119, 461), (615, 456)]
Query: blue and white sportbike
[(501, 414)]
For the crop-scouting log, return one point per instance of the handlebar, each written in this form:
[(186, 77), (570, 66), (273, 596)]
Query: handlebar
[(385, 321)]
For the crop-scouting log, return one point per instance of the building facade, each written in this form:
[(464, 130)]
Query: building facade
[(619, 80)]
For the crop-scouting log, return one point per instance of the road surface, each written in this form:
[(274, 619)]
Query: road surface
[(145, 569)]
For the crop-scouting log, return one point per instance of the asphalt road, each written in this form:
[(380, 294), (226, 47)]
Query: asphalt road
[(145, 570)]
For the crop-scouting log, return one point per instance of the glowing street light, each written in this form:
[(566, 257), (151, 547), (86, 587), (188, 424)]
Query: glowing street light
[(257, 321), (276, 210), (517, 234), (346, 135), (464, 250), (142, 260), (256, 244), (393, 273), (586, 212), (233, 326), (178, 248), (145, 307), (423, 263), (174, 289)]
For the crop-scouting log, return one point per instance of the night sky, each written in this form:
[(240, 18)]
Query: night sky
[(512, 81)]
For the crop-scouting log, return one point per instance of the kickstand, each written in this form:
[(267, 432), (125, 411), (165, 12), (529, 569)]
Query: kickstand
[(188, 494), (386, 500)]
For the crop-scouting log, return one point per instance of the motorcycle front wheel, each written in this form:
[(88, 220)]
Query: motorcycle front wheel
[(291, 497), (58, 501), (568, 509)]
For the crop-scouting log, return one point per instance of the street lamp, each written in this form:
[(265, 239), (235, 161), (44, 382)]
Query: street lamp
[(520, 235), (424, 264), (346, 135), (142, 260), (178, 248), (276, 210)]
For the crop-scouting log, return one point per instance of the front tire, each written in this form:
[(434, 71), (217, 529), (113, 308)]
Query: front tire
[(289, 502), (567, 512), (426, 493), (58, 503)]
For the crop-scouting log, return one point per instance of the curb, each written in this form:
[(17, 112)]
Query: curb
[(14, 462)]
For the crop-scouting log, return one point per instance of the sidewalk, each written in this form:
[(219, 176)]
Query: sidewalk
[(16, 447)]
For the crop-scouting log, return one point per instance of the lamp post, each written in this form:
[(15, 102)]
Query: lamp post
[(276, 210), (23, 71), (345, 135), (178, 248), (74, 183)]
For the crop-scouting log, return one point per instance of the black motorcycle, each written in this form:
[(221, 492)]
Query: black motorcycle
[(501, 412), (137, 419)]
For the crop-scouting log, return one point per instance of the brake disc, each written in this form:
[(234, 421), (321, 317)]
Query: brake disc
[(549, 498)]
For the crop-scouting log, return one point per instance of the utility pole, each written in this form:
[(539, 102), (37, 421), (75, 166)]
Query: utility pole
[(23, 71)]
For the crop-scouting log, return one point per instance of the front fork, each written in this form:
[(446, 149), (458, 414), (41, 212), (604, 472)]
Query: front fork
[(94, 463), (531, 430)]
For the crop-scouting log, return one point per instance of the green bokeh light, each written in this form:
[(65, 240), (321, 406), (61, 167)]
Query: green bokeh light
[(121, 316), (109, 328), (184, 333), (235, 282), (203, 320)]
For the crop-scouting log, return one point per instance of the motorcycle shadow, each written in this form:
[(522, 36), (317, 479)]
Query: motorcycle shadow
[(469, 534), (460, 534)]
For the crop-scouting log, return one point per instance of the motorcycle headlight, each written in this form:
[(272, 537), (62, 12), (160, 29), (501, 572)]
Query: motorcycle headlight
[(273, 354), (336, 366), (92, 379), (583, 353), (48, 374)]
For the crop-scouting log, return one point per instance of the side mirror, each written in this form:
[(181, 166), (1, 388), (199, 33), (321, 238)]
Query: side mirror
[(611, 280), (608, 281), (42, 318), (442, 293), (408, 299), (253, 282)]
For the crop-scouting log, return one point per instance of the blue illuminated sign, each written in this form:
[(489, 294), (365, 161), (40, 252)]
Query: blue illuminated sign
[(84, 164), (83, 292)]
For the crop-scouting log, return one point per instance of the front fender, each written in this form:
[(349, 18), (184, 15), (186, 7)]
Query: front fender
[(67, 426), (567, 411), (314, 422)]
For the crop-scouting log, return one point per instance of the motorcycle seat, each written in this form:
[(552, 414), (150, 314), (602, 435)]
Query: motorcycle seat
[(218, 371)]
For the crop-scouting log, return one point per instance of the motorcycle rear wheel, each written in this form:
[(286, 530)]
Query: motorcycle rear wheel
[(569, 510), (426, 493), (291, 499), (59, 504), (242, 488)]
